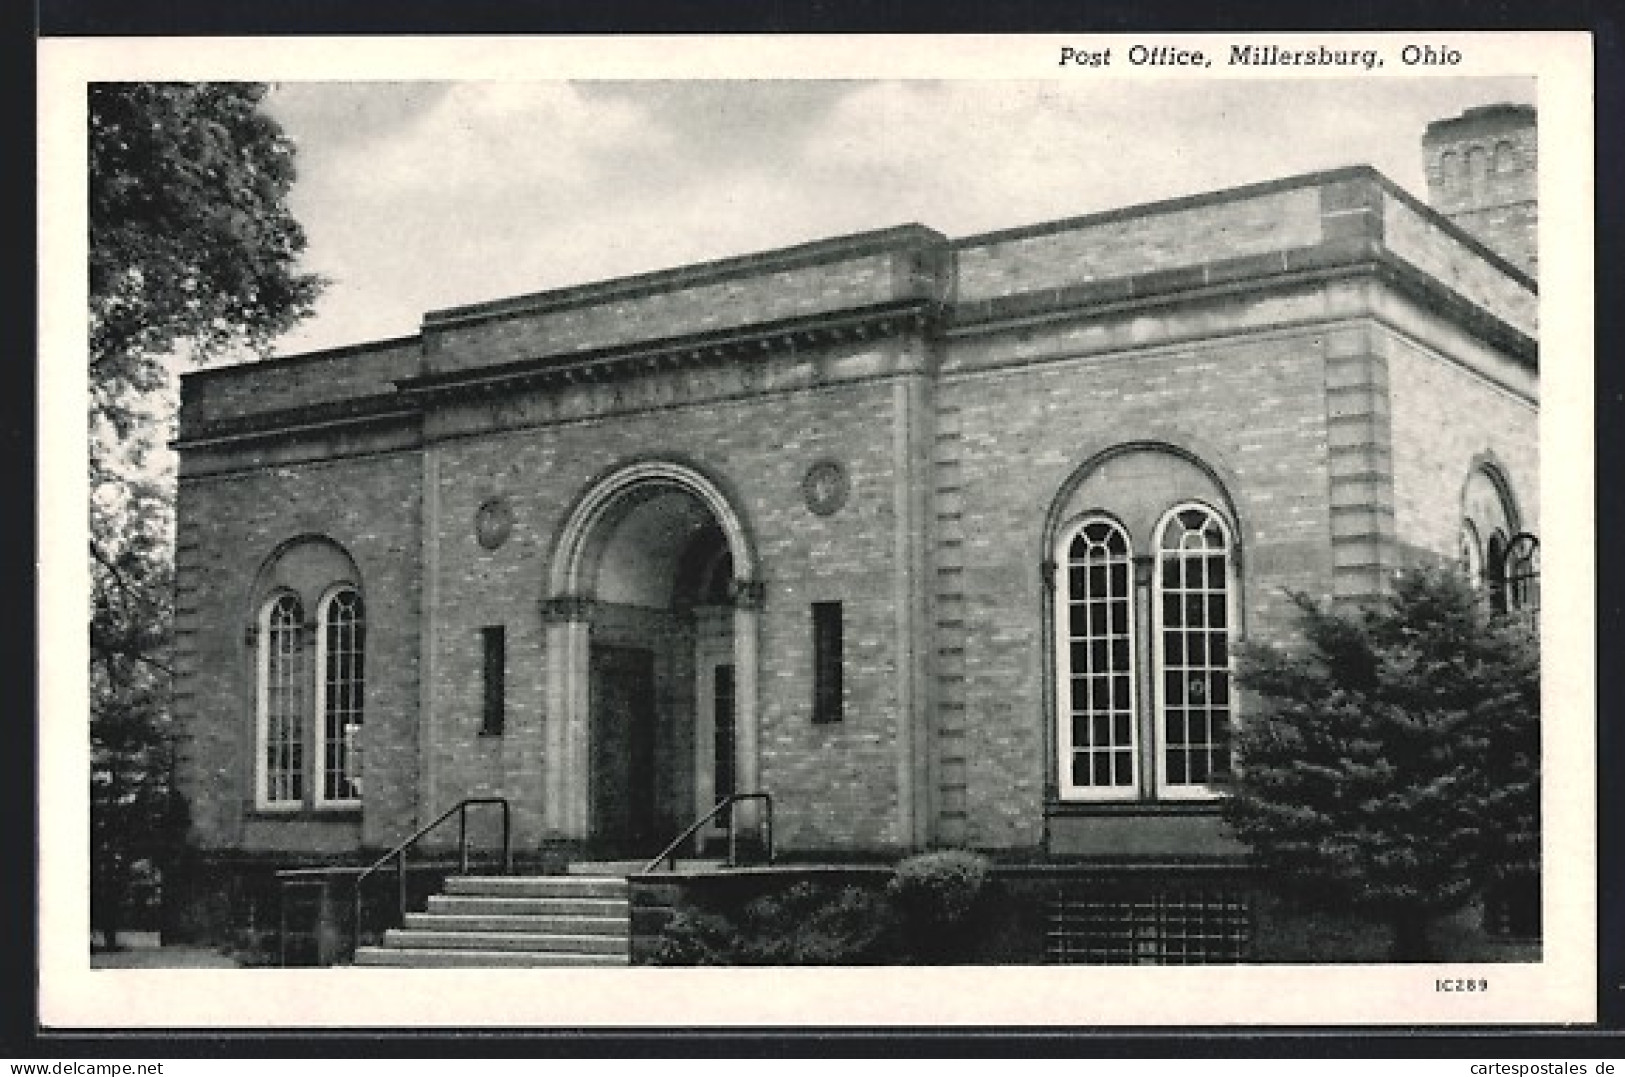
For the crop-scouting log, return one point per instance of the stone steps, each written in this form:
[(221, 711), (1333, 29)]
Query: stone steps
[(468, 905), (572, 926), (502, 938), (505, 921), (400, 957)]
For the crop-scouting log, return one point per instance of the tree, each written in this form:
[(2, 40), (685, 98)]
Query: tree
[(1394, 766), (193, 256)]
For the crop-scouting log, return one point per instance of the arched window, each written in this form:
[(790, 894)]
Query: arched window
[(1145, 694), (1194, 628), (309, 639), (341, 654), (1505, 157), (1507, 569), (1450, 167), (281, 724), (1523, 573), (1478, 169), (1099, 755)]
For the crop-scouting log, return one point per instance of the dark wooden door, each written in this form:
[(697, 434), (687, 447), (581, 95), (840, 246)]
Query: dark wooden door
[(623, 744)]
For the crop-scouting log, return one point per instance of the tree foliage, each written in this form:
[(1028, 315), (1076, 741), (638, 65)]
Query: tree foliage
[(192, 245), (193, 255), (1394, 766)]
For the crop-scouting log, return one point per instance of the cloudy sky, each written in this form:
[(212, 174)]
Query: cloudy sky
[(421, 196)]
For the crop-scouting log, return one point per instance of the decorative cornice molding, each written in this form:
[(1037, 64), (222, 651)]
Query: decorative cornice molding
[(378, 409), (671, 353)]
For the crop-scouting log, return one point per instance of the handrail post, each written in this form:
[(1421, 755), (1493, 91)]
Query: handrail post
[(769, 802), (507, 840), (398, 854), (282, 925), (462, 838), (400, 876)]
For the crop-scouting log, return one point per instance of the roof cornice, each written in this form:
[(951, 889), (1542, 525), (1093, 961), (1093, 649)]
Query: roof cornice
[(648, 356)]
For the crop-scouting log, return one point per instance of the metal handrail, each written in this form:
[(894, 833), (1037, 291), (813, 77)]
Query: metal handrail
[(725, 804), (398, 854)]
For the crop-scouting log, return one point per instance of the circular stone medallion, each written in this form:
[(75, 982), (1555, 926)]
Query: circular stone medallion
[(493, 522), (825, 487)]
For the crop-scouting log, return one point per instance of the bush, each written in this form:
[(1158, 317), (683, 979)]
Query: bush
[(1391, 763), (805, 924), (941, 888), (697, 937), (809, 925), (933, 910), (939, 898)]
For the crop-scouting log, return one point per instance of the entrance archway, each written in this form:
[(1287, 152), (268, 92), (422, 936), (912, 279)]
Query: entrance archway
[(652, 642)]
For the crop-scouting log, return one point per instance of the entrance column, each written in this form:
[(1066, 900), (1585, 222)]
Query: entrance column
[(747, 597), (567, 746)]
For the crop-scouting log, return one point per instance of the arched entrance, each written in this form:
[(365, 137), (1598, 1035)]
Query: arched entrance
[(652, 623)]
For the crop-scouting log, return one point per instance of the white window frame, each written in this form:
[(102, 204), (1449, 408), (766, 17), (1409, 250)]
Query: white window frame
[(262, 724), (318, 751), (1165, 789), (1065, 747)]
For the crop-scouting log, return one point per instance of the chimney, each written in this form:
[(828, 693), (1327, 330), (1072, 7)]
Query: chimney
[(1481, 174)]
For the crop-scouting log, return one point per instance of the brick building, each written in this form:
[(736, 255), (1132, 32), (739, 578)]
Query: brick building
[(942, 542)]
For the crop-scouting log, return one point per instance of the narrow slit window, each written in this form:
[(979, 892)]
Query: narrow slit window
[(724, 732), (827, 661), (495, 712)]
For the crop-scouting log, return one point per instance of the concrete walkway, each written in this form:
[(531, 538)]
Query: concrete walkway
[(142, 950)]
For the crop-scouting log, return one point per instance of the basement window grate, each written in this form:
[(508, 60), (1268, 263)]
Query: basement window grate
[(1160, 928)]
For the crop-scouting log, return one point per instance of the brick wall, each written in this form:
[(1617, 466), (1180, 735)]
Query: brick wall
[(1482, 173), (1144, 240), (319, 378), (228, 527), (817, 278), (1444, 418), (1424, 243), (1254, 408), (834, 784), (1330, 426)]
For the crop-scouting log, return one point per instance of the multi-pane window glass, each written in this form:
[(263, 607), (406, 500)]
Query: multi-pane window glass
[(1098, 735), (1523, 573), (344, 679), (1194, 628), (282, 657)]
